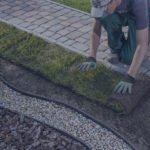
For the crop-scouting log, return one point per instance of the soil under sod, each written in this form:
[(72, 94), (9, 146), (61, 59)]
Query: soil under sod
[(135, 127)]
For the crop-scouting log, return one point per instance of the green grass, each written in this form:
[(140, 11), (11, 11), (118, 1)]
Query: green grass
[(83, 5), (53, 62)]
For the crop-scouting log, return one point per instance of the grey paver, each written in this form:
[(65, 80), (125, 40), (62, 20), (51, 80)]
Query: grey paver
[(56, 36), (77, 25), (81, 40), (30, 19), (80, 47), (48, 33), (40, 21), (25, 24), (62, 39), (32, 27), (63, 32), (69, 42), (39, 30), (5, 7), (18, 13), (74, 35), (57, 28), (3, 15), (16, 21), (85, 29)]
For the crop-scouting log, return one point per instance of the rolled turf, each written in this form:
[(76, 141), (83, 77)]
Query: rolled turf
[(128, 102)]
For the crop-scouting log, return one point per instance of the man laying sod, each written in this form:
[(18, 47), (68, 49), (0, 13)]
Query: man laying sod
[(113, 15)]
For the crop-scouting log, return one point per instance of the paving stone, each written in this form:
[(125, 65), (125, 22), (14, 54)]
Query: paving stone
[(4, 3), (58, 7), (25, 24), (69, 42), (74, 35), (81, 40), (16, 21), (65, 23), (74, 20), (31, 13), (40, 21), (4, 8), (62, 18), (86, 22), (46, 7), (18, 13), (48, 33), (103, 45), (66, 11), (44, 13), (52, 23), (77, 14), (32, 27), (8, 11), (57, 28), (85, 29), (16, 8), (62, 39), (8, 17), (101, 55), (52, 10), (46, 25), (48, 17), (80, 47), (57, 14), (85, 17), (63, 32), (3, 15), (56, 36), (86, 36), (37, 16), (77, 25), (30, 19), (39, 30), (71, 29)]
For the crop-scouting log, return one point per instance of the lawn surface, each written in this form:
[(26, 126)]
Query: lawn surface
[(54, 62), (83, 5)]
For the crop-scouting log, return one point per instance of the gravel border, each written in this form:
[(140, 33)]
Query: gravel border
[(63, 119)]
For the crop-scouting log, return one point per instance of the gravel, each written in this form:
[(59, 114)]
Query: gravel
[(94, 135)]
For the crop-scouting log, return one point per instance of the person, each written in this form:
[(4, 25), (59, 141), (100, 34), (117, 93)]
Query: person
[(113, 15)]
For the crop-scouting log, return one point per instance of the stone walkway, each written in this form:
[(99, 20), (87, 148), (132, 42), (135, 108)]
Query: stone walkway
[(59, 24)]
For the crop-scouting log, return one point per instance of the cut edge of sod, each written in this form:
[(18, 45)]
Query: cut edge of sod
[(54, 62)]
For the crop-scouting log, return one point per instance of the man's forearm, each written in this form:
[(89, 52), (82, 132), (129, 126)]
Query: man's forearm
[(137, 60), (95, 38), (142, 39), (94, 44)]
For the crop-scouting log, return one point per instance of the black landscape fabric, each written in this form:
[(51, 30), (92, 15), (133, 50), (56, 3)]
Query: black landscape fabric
[(128, 102)]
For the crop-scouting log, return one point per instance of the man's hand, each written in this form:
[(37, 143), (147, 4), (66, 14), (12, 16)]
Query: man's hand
[(125, 86), (90, 64)]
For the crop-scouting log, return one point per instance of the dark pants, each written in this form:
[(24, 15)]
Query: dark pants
[(125, 48)]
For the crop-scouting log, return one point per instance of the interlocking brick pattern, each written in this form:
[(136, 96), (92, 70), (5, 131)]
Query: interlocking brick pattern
[(60, 24)]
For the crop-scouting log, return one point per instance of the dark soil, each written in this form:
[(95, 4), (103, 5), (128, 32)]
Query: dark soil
[(18, 132), (135, 127)]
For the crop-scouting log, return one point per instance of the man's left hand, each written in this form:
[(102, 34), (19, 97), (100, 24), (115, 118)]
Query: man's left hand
[(125, 86)]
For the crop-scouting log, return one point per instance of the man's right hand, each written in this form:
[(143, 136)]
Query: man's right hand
[(90, 64)]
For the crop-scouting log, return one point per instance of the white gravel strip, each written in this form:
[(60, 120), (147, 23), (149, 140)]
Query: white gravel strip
[(94, 135)]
